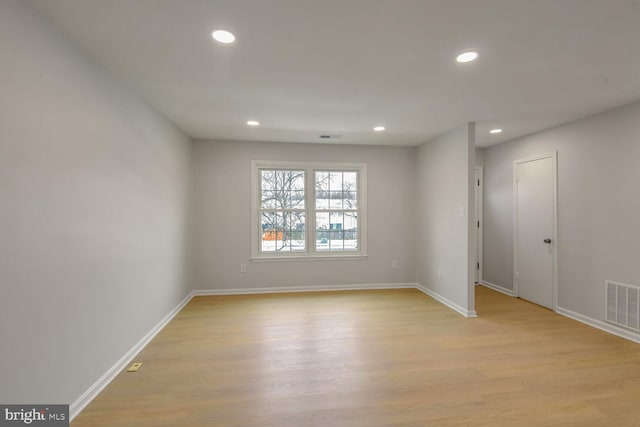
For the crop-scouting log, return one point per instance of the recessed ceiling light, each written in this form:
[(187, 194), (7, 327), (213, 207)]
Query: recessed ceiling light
[(253, 123), (467, 56), (223, 36), (495, 131), (378, 128)]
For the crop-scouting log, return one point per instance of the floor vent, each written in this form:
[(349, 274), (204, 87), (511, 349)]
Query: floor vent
[(623, 305)]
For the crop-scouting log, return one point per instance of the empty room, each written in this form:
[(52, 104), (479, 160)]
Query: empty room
[(319, 213)]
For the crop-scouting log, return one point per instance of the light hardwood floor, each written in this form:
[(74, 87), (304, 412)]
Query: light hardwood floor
[(373, 358)]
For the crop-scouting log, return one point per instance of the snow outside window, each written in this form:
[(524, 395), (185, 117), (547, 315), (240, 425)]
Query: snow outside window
[(308, 210)]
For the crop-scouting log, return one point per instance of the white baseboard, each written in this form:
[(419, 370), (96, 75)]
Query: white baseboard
[(452, 305), (76, 407), (319, 288), (497, 288), (599, 324)]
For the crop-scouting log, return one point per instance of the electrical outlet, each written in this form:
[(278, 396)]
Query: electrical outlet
[(394, 264), (135, 367), (439, 273), (243, 268)]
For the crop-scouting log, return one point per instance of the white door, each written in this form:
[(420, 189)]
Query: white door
[(534, 243)]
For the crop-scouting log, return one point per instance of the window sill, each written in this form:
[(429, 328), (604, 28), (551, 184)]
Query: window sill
[(309, 258)]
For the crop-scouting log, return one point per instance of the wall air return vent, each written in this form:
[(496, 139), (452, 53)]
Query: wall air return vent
[(623, 305)]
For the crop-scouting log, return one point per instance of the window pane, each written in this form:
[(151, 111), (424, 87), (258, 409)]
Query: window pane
[(322, 231), (336, 240), (349, 181), (297, 180), (322, 220), (294, 199), (322, 181), (267, 178), (268, 199), (335, 181), (351, 240), (335, 199), (328, 240), (294, 231), (336, 190), (272, 235), (322, 190), (350, 221), (336, 231), (350, 188), (336, 220), (293, 180), (350, 231), (282, 207), (322, 200), (282, 232), (281, 179)]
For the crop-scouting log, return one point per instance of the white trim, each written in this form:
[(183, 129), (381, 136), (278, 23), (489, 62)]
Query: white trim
[(349, 287), (599, 324), (497, 288), (255, 220), (294, 164), (452, 305), (480, 207), (80, 403), (554, 157), (317, 288), (329, 257), (309, 168), (92, 392), (555, 229)]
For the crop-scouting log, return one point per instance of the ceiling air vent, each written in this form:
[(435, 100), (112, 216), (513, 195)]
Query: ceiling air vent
[(330, 136)]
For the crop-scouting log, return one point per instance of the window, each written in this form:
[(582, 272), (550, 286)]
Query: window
[(336, 209), (282, 210), (308, 210)]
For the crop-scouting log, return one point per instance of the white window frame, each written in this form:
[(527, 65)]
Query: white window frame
[(310, 254)]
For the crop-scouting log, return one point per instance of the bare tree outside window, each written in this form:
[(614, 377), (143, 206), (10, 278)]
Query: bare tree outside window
[(282, 201), (304, 209)]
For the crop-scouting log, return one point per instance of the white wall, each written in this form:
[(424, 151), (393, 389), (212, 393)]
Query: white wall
[(93, 194), (598, 206), (222, 208), (445, 239), (479, 156)]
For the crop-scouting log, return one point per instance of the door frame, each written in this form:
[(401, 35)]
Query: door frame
[(554, 157), (479, 184)]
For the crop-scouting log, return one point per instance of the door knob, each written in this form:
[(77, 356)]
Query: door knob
[(547, 240)]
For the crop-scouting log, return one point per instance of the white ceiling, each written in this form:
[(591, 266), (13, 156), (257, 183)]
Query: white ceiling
[(309, 67)]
